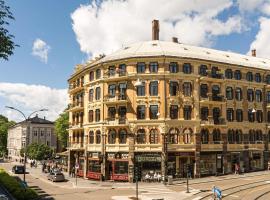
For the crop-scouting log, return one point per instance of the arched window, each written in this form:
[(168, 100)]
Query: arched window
[(173, 136), (237, 75), (251, 136), (91, 76), (112, 136), (258, 77), (250, 95), (91, 95), (231, 136), (91, 137), (229, 74), (259, 136), (154, 136), (98, 74), (204, 136), (98, 137), (216, 136), (238, 136), (249, 76), (229, 93), (187, 136), (238, 94), (122, 136), (258, 95), (140, 136)]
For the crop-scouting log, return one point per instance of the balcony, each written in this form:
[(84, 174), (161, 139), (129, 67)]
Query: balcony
[(117, 147), (117, 75), (94, 147), (213, 146), (210, 76), (75, 87), (213, 99), (121, 121), (76, 125), (75, 145), (120, 98), (212, 122), (181, 147), (76, 106), (257, 146), (235, 147)]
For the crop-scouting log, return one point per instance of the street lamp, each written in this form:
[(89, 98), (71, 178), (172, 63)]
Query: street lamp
[(26, 120)]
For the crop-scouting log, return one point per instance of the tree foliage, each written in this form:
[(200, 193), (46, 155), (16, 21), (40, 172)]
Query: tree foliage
[(38, 151), (7, 45), (4, 125), (61, 126)]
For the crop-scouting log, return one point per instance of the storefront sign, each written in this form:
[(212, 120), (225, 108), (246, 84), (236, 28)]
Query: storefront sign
[(111, 155), (94, 155), (182, 154), (148, 158), (124, 155)]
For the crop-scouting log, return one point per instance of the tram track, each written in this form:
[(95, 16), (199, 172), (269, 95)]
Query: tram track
[(262, 195)]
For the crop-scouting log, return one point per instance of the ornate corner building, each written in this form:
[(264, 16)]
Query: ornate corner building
[(162, 105)]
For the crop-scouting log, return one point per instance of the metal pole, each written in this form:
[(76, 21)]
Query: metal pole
[(137, 189), (76, 176), (187, 182)]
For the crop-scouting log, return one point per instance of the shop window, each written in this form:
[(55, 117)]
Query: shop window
[(249, 76), (174, 68), (98, 137), (94, 166), (216, 136), (91, 137), (121, 167), (237, 75), (267, 79), (239, 115), (258, 95), (203, 70), (97, 117), (258, 78), (174, 112), (259, 116), (229, 93), (250, 95), (153, 112), (141, 112), (268, 96), (91, 95), (141, 89), (123, 136), (187, 68), (187, 112), (229, 74), (98, 74), (98, 95), (204, 113), (91, 76), (173, 136), (187, 136), (153, 88), (141, 67), (230, 114), (112, 137), (154, 136), (204, 90), (187, 89), (140, 139), (173, 88), (111, 71), (111, 113), (122, 70), (91, 116), (238, 94), (204, 136), (153, 67), (251, 116)]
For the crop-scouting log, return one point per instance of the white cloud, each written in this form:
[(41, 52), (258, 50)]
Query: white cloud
[(262, 39), (29, 98), (106, 27), (262, 6), (41, 50)]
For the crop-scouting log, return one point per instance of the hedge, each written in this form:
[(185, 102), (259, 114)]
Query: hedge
[(15, 188)]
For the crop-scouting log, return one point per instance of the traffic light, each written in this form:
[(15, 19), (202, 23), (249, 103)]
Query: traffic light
[(137, 172)]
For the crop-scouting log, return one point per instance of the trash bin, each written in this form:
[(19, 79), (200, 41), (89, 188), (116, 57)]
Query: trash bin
[(170, 180)]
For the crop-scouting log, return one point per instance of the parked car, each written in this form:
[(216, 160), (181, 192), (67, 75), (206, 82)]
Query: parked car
[(18, 169), (56, 176), (3, 197)]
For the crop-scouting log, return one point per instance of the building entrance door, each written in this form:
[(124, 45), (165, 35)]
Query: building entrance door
[(183, 162)]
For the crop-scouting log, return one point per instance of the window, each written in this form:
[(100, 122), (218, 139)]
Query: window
[(258, 135), (141, 89), (252, 136), (229, 74), (123, 136), (258, 95), (141, 112), (250, 95), (140, 139), (153, 88), (174, 67), (111, 71), (231, 136), (238, 94), (153, 67), (216, 93), (238, 136), (112, 136), (204, 113), (267, 79), (216, 115), (251, 116), (216, 136), (97, 115), (174, 111), (187, 112), (122, 70), (187, 136), (91, 95), (154, 136), (122, 111), (204, 90), (187, 68), (187, 89), (98, 137), (203, 70), (268, 96), (268, 116), (239, 115), (140, 67), (204, 136), (153, 112), (91, 137), (121, 167), (173, 88), (237, 75), (230, 114), (214, 72), (91, 76), (258, 77), (259, 116), (98, 74), (98, 93), (90, 116), (122, 91), (111, 113), (229, 93), (112, 90), (249, 76), (173, 136)]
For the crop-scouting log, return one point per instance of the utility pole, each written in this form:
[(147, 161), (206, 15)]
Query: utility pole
[(187, 168)]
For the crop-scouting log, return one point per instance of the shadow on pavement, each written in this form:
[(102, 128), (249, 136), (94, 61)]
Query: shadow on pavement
[(41, 193)]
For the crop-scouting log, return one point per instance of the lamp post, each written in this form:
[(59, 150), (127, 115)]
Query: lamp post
[(26, 120)]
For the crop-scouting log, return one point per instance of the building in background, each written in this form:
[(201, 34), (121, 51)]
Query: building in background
[(164, 105), (40, 131)]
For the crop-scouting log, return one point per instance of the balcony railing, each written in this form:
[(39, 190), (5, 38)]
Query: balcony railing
[(115, 98), (211, 121), (117, 121)]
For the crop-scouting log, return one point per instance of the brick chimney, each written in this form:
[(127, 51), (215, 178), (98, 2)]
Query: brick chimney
[(175, 39), (253, 52), (155, 29)]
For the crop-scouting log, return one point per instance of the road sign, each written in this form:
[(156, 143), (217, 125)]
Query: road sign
[(77, 166)]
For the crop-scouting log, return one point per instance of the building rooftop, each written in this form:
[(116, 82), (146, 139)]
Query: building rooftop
[(37, 120)]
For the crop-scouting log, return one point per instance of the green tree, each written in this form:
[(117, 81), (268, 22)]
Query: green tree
[(38, 151), (7, 45), (61, 126), (4, 125)]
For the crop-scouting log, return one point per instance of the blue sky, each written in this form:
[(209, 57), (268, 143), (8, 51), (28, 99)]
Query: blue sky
[(68, 32)]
